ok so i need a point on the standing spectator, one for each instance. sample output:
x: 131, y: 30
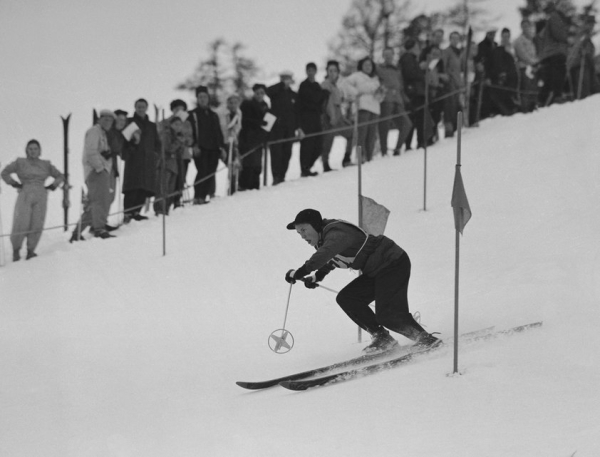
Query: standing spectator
x: 283, y: 107
x: 483, y: 69
x: 30, y: 208
x: 309, y: 108
x: 527, y: 62
x: 230, y: 117
x: 184, y: 157
x: 116, y: 143
x: 369, y: 93
x: 452, y: 58
x: 253, y: 137
x: 141, y: 156
x: 553, y: 53
x: 334, y: 117
x: 173, y: 143
x: 393, y: 103
x: 414, y: 80
x: 504, y: 76
x: 580, y: 61
x: 437, y: 84
x: 208, y: 142
x: 98, y: 171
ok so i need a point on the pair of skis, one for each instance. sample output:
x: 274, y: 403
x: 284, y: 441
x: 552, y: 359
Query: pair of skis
x: 325, y: 376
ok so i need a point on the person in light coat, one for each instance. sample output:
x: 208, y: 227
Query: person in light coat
x: 30, y: 208
x: 97, y: 169
x: 334, y: 117
x: 368, y: 92
x: 230, y: 117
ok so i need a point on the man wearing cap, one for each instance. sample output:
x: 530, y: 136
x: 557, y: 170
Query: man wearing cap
x: 208, y: 144
x: 385, y: 275
x: 97, y: 169
x: 483, y: 66
x: 309, y: 108
x: 283, y: 101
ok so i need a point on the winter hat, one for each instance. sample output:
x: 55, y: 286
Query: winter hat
x: 307, y: 216
x: 107, y: 112
x: 201, y: 89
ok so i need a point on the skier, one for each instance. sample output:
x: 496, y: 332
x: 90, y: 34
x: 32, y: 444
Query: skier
x: 385, y: 274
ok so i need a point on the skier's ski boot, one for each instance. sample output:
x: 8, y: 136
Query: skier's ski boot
x: 427, y: 341
x: 382, y: 342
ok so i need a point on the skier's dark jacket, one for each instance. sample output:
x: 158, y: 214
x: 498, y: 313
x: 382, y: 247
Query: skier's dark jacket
x: 344, y: 245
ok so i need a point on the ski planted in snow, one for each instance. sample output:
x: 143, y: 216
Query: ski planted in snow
x: 345, y: 364
x: 304, y: 384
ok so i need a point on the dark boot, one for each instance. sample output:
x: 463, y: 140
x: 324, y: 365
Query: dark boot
x: 16, y: 255
x: 381, y: 342
x: 30, y: 254
x: 76, y: 236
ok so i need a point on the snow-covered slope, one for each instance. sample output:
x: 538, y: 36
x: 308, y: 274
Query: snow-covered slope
x: 107, y: 348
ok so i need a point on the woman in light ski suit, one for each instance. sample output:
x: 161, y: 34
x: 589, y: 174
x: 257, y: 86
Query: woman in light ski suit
x: 30, y: 209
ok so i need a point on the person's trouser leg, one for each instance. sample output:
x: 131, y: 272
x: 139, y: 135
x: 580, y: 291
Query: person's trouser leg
x: 21, y: 219
x: 387, y: 109
x: 98, y: 185
x: 391, y: 299
x: 354, y: 299
x: 405, y: 126
x: 38, y: 217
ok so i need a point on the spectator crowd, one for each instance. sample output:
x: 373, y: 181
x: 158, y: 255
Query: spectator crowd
x: 419, y: 88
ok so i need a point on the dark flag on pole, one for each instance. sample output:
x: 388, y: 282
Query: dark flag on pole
x: 460, y: 204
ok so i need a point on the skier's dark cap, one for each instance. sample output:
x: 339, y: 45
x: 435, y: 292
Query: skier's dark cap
x: 307, y: 216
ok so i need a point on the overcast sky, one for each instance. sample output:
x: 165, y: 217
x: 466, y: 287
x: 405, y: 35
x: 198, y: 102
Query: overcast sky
x: 69, y: 56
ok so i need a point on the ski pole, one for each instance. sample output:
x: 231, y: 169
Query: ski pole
x: 287, y: 307
x: 281, y: 340
x: 322, y: 286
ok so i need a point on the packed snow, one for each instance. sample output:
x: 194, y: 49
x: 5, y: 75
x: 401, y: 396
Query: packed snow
x: 109, y: 348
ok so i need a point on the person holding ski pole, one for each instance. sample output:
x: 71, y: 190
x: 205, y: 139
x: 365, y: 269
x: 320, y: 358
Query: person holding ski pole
x: 385, y: 275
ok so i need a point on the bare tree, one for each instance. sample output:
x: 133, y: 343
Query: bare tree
x: 244, y: 69
x: 226, y: 70
x: 469, y: 13
x: 367, y: 28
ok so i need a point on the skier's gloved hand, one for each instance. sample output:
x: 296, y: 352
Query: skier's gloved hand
x: 310, y: 282
x: 292, y: 275
x: 289, y: 277
x: 17, y: 185
x: 51, y: 187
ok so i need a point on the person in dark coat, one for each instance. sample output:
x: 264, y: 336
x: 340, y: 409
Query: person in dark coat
x: 309, y: 108
x: 503, y: 76
x: 483, y: 67
x: 141, y: 155
x: 283, y: 107
x: 252, y: 137
x: 414, y: 83
x: 208, y: 145
x: 553, y: 53
x: 385, y: 268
